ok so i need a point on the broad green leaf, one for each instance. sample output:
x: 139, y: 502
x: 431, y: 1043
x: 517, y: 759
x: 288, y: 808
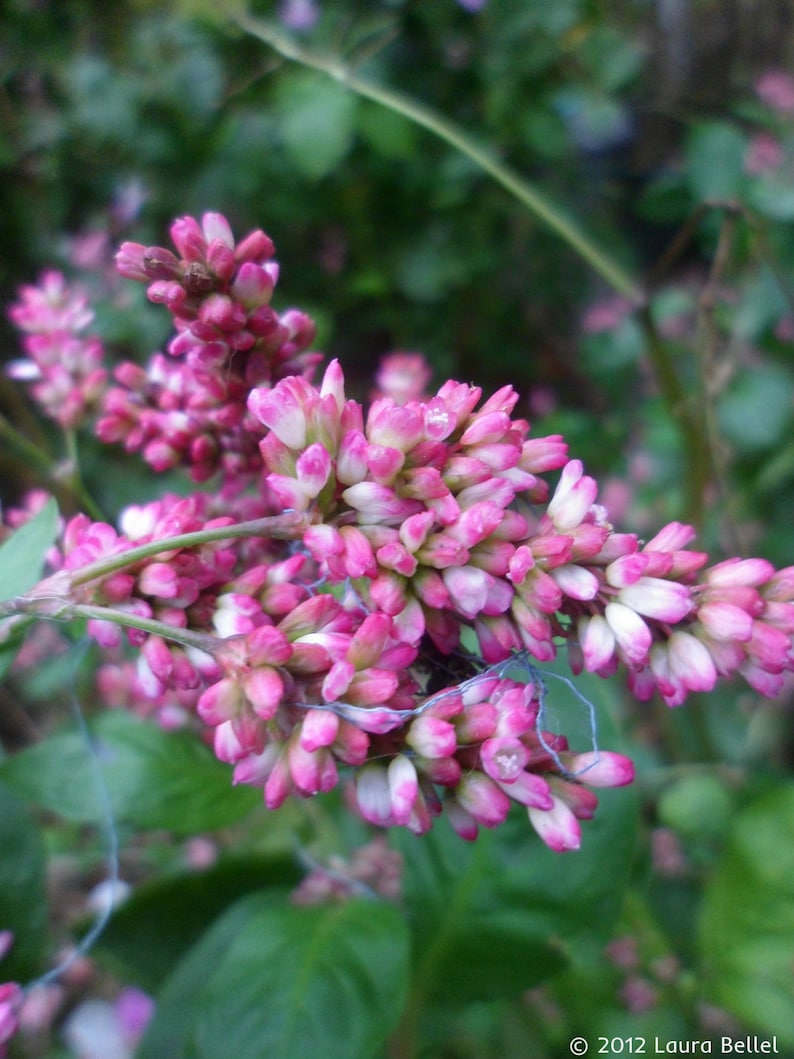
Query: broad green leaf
x: 186, y: 903
x: 715, y: 161
x: 317, y: 120
x: 747, y: 923
x: 155, y: 779
x: 23, y: 899
x: 171, y: 1030
x: 495, y: 917
x: 275, y: 981
x: 22, y: 555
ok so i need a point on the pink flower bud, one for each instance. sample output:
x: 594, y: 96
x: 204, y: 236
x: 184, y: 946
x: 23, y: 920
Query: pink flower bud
x: 337, y: 681
x: 319, y: 728
x: 215, y: 226
x: 220, y: 702
x: 281, y: 411
x: 371, y: 686
x: 769, y: 647
x: 369, y: 640
x: 268, y: 645
x: 130, y: 262
x: 468, y: 588
x: 379, y: 503
x: 576, y: 582
x: 403, y: 788
x: 253, y: 285
x: 483, y: 799
x: 630, y: 631
x: 432, y: 737
x: 626, y: 569
x: 597, y: 641
x: 573, y: 497
x: 530, y: 790
x: 312, y: 772
x: 654, y: 597
x: 739, y: 572
x: 313, y: 468
x: 600, y: 768
x: 724, y: 621
x: 691, y: 662
x: 462, y: 820
x: 544, y: 454
x: 256, y: 246
x: 374, y: 796
x: 264, y: 689
x: 558, y: 827
x: 221, y: 261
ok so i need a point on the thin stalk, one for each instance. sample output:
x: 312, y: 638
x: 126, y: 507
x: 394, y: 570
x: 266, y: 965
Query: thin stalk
x: 708, y: 347
x: 76, y: 482
x: 579, y: 241
x: 698, y: 457
x: 62, y: 610
x: 29, y: 452
x: 275, y: 527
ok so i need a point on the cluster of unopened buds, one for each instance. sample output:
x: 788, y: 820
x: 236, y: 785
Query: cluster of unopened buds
x: 390, y: 577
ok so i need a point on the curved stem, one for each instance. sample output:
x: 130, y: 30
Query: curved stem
x: 598, y: 259
x: 276, y: 527
x: 56, y: 609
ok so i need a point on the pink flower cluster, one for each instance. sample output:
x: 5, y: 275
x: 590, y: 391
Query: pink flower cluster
x: 431, y: 510
x: 428, y: 522
x: 64, y: 365
x: 189, y: 408
x: 330, y: 685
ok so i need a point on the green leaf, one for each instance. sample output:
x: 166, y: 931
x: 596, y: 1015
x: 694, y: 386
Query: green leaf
x: 496, y: 917
x: 747, y: 923
x: 772, y: 194
x: 155, y: 779
x: 755, y: 412
x: 184, y: 904
x: 23, y: 898
x: 171, y: 1030
x: 715, y: 161
x: 22, y: 555
x: 317, y: 122
x: 275, y: 981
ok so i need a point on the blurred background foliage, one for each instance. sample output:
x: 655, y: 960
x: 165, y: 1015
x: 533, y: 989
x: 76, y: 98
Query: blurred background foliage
x: 666, y: 131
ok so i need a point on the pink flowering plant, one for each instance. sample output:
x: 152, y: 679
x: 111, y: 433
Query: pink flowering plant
x: 363, y: 603
x: 343, y: 712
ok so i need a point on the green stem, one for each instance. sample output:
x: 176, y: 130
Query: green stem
x: 62, y: 610
x: 275, y: 527
x: 698, y: 459
x: 76, y: 479
x: 29, y: 452
x: 450, y: 133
